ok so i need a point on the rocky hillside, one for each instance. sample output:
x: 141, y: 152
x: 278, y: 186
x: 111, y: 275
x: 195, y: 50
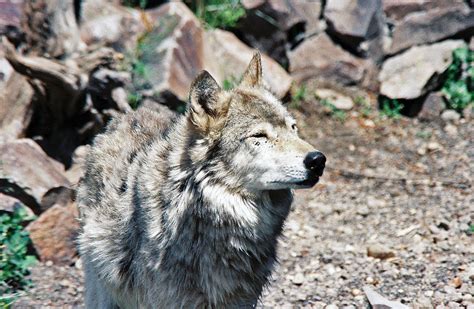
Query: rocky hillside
x: 67, y: 67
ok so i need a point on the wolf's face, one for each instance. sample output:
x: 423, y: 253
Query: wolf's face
x: 255, y: 136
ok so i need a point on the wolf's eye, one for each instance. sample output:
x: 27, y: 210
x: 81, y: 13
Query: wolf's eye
x: 294, y: 127
x: 259, y: 135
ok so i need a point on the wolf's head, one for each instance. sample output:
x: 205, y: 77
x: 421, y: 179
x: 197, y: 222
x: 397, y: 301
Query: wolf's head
x: 251, y: 134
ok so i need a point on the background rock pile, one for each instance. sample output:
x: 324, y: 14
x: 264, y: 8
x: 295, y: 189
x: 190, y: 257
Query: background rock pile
x: 67, y: 67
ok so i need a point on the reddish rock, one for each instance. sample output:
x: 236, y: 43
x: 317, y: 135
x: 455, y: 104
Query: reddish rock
x: 54, y: 233
x: 398, y: 9
x: 16, y: 99
x: 227, y: 58
x: 172, y: 53
x: 28, y: 174
x: 320, y: 58
x: 10, y: 13
x: 176, y: 50
x: 432, y: 26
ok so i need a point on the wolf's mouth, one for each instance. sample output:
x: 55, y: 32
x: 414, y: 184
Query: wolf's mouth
x: 308, y: 182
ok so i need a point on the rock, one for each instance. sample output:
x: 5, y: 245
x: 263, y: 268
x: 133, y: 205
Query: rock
x: 29, y: 175
x: 16, y: 107
x: 9, y: 204
x: 102, y: 87
x: 377, y: 301
x: 75, y: 172
x: 456, y: 282
x: 330, y: 62
x: 227, y: 58
x: 54, y: 233
x: 416, y: 71
x: 432, y: 107
x: 339, y: 101
x: 298, y: 279
x: 111, y: 24
x: 10, y: 14
x: 331, y: 306
x: 271, y: 25
x: 450, y: 115
x: 379, y: 252
x: 397, y: 10
x: 176, y: 49
x: 172, y: 54
x: 431, y: 26
x: 352, y: 22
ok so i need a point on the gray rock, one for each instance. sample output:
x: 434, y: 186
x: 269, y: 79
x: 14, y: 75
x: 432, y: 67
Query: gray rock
x: 272, y: 25
x: 416, y: 71
x: 339, y: 100
x: 319, y: 58
x: 111, y: 24
x: 450, y: 115
x: 431, y: 26
x: 354, y: 21
x: 9, y: 204
x: 432, y: 107
x: 226, y: 57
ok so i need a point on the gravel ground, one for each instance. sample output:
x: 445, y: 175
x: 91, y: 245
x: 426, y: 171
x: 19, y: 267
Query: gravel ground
x: 401, y: 188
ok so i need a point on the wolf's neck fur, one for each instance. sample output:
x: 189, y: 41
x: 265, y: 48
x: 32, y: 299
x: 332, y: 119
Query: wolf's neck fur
x: 206, y: 221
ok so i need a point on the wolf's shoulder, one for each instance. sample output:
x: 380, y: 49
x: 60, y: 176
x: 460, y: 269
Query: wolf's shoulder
x: 113, y: 151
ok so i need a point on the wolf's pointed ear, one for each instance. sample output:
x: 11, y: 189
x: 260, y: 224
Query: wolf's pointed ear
x: 253, y: 75
x: 204, y: 100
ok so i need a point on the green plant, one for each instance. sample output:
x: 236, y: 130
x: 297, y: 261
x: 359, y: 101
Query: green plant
x: 299, y: 94
x: 391, y: 108
x: 134, y: 3
x: 218, y: 13
x: 334, y: 111
x: 364, y: 104
x: 14, y: 258
x: 458, y: 88
x: 230, y: 82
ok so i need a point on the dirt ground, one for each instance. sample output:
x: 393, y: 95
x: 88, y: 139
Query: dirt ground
x: 400, y: 185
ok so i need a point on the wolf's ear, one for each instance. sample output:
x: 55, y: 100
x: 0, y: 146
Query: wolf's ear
x: 253, y: 75
x: 204, y: 100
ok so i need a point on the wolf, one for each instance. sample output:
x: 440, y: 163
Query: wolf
x: 186, y: 213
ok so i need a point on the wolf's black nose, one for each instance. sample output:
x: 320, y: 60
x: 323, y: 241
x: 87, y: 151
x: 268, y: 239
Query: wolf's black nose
x: 315, y: 161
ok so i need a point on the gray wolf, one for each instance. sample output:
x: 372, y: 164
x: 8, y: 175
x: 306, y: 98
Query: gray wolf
x: 186, y: 213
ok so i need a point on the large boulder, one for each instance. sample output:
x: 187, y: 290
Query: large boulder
x: 177, y: 48
x: 29, y: 175
x: 10, y: 15
x: 320, y: 58
x: 16, y: 104
x: 9, y: 204
x: 352, y: 22
x: 111, y: 24
x: 54, y: 234
x: 396, y: 10
x: 274, y: 25
x: 432, y: 26
x: 172, y: 54
x: 413, y: 73
x: 227, y: 58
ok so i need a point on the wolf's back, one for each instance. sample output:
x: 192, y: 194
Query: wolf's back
x: 112, y: 153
